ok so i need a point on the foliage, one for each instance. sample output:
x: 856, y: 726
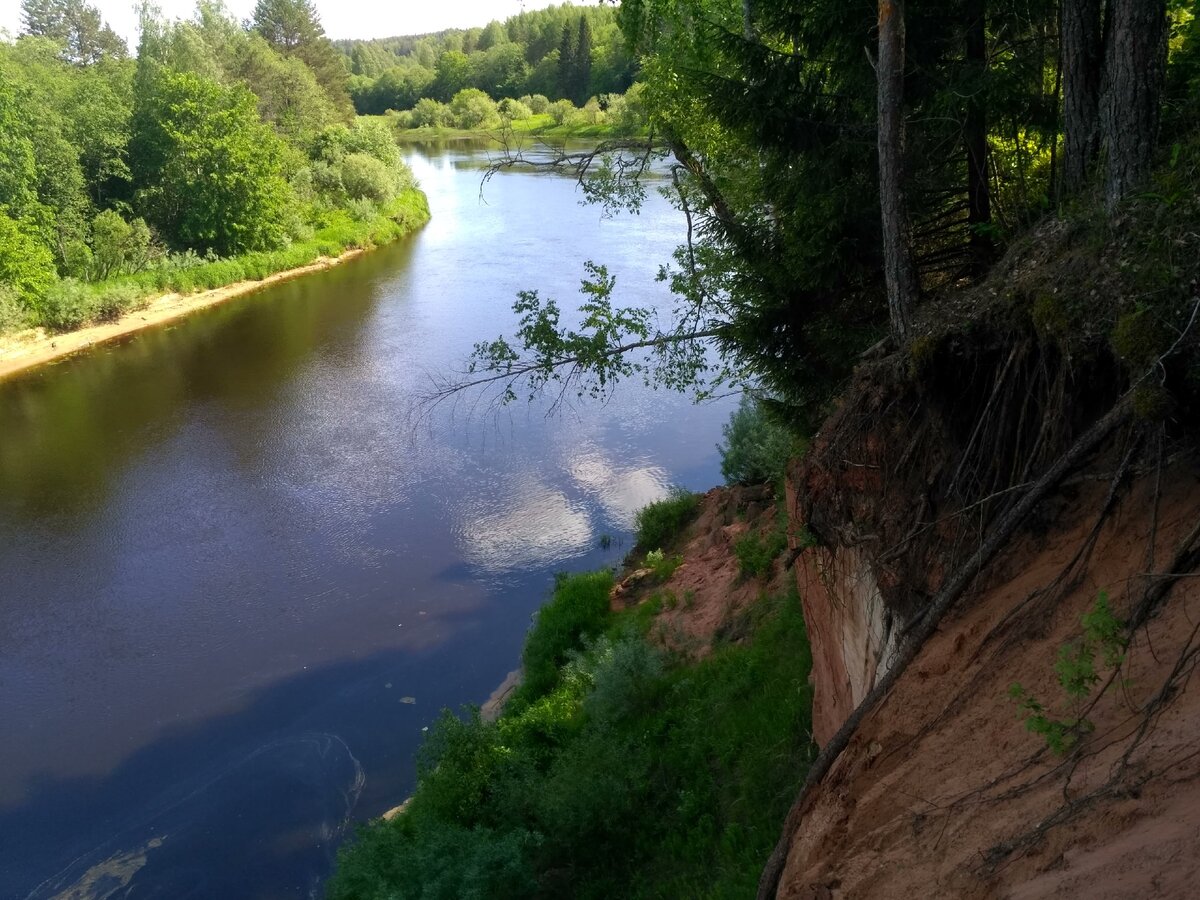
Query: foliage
x: 578, y: 608
x: 755, y: 552
x: 639, y: 775
x: 756, y: 447
x: 659, y: 522
x: 472, y: 108
x: 209, y: 173
x: 524, y: 55
x: 84, y: 38
x: 26, y: 266
x: 661, y: 565
x: 119, y: 247
x: 293, y: 28
x: 1104, y: 636
x: 13, y: 314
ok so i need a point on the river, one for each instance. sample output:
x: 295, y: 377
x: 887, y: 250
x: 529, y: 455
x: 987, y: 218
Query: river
x: 239, y: 578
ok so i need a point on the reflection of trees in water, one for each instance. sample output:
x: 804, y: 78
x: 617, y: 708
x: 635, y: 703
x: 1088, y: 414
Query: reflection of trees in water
x: 69, y: 428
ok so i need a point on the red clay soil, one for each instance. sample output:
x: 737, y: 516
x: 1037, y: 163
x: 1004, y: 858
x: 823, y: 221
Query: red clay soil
x: 708, y: 590
x: 943, y: 792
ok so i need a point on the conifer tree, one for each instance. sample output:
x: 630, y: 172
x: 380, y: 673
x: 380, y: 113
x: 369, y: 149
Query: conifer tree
x: 581, y: 77
x: 294, y: 29
x: 566, y: 62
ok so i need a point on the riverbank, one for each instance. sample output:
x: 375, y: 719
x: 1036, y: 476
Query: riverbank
x: 539, y: 127
x: 650, y: 749
x: 33, y: 347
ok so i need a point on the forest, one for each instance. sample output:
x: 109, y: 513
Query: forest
x: 219, y: 152
x: 561, y: 53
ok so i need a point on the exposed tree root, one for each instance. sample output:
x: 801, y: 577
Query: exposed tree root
x: 926, y: 624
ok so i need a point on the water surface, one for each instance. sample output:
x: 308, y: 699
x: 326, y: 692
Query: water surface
x: 238, y: 577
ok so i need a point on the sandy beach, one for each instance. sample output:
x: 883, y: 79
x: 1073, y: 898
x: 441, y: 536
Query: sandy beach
x: 25, y: 350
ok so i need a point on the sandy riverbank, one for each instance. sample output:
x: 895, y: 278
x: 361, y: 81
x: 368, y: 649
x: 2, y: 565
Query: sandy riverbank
x: 28, y: 349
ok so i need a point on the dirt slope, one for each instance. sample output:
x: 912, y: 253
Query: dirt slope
x: 944, y: 793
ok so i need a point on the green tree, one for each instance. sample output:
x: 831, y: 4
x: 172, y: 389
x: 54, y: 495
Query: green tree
x: 18, y: 166
x: 567, y: 63
x: 76, y: 27
x: 472, y: 108
x: 25, y: 262
x: 209, y: 173
x: 453, y: 75
x: 293, y: 28
x: 581, y: 71
x: 118, y: 246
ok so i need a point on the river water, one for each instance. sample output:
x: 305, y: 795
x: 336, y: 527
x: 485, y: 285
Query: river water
x: 238, y: 576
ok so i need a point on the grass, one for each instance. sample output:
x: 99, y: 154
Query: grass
x: 661, y: 521
x: 755, y: 552
x: 72, y: 304
x: 534, y: 126
x: 637, y: 774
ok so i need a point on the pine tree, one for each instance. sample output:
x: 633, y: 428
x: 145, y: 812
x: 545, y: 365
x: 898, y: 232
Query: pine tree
x: 294, y: 29
x: 566, y: 62
x: 84, y: 36
x: 582, y: 75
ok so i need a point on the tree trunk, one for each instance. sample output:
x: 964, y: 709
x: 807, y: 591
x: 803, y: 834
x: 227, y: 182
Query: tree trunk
x: 1082, y: 62
x: 979, y: 195
x: 1134, y: 67
x: 899, y: 271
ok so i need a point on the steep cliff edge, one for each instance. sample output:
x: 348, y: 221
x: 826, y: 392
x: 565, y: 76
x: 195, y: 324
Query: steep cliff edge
x: 944, y: 792
x: 995, y: 539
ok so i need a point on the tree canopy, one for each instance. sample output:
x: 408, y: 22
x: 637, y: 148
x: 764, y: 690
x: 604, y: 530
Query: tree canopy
x: 217, y: 140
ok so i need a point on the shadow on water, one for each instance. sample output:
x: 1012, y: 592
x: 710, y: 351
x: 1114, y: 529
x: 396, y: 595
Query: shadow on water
x: 70, y: 428
x: 269, y: 791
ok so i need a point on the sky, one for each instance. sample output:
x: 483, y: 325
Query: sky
x: 341, y: 18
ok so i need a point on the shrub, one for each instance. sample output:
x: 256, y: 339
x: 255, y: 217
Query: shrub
x: 472, y: 108
x: 562, y: 112
x: 663, y: 566
x: 638, y: 775
x: 661, y: 520
x: 67, y: 305
x: 26, y: 264
x: 756, y: 449
x: 626, y: 678
x: 578, y: 609
x: 362, y: 209
x: 538, y: 103
x: 366, y: 178
x: 514, y: 109
x: 431, y: 113
x: 755, y: 553
x: 13, y: 316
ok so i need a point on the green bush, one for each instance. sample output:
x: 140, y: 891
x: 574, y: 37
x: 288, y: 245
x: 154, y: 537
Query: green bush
x: 578, y: 609
x: 756, y: 449
x: 638, y: 775
x: 13, y: 315
x: 26, y: 264
x: 472, y: 108
x: 366, y: 178
x: 67, y: 305
x: 657, y: 523
x: 755, y: 553
x: 429, y: 113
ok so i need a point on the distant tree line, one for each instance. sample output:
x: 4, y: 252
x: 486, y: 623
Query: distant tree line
x: 562, y: 52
